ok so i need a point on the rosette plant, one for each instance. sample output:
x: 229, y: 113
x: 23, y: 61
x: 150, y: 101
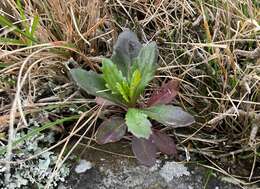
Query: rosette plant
x: 123, y: 81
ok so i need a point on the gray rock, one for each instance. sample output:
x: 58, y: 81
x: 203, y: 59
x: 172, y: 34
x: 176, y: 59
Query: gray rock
x: 117, y: 172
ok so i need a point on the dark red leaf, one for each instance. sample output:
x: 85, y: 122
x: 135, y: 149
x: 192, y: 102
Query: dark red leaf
x: 164, y: 143
x: 144, y: 150
x: 165, y: 94
x: 111, y: 130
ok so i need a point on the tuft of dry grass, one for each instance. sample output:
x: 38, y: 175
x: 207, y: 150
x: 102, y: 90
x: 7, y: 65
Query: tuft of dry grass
x: 211, y: 47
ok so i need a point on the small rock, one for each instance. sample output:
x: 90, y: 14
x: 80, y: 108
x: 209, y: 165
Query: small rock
x: 83, y: 166
x: 173, y: 169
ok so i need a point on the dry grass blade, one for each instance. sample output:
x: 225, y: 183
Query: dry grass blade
x: 210, y: 47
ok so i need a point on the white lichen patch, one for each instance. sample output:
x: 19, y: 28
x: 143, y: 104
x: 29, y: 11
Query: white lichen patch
x: 156, y: 166
x: 173, y: 170
x: 83, y: 166
x: 36, y: 172
x: 131, y: 176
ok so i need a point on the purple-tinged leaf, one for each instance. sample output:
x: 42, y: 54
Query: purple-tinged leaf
x: 144, y: 150
x: 104, y: 102
x: 111, y: 130
x: 169, y: 115
x: 126, y: 48
x: 164, y: 143
x: 165, y: 94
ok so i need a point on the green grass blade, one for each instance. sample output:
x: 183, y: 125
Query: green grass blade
x: 3, y: 65
x: 9, y: 41
x: 34, y: 24
x: 23, y: 17
x: 4, y: 22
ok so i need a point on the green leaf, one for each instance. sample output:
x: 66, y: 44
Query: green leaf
x: 90, y: 81
x: 138, y: 124
x: 135, y: 81
x: 93, y: 84
x: 123, y: 90
x: 170, y: 115
x: 112, y: 75
x: 146, y: 63
x: 126, y: 48
x: 115, y: 81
